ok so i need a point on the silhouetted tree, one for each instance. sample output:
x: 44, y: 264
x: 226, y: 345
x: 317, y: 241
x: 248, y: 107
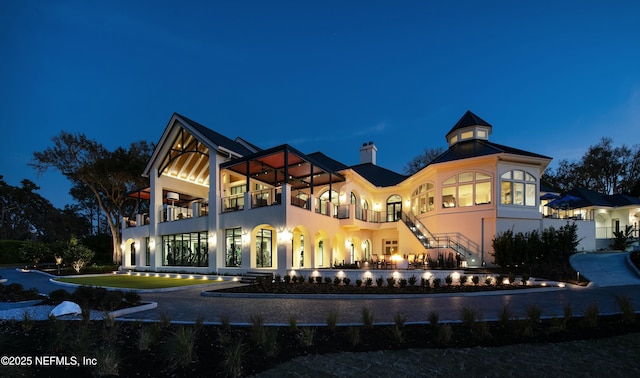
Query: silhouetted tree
x: 422, y: 160
x: 109, y: 175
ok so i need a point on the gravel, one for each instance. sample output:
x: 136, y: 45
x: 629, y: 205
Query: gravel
x: 21, y: 312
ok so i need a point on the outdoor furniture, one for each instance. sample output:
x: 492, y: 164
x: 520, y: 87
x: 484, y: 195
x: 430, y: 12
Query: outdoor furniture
x: 411, y: 259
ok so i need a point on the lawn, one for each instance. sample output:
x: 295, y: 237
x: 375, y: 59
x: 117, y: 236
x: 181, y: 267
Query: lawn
x: 125, y: 281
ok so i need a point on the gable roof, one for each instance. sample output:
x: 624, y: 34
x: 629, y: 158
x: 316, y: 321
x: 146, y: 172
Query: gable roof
x: 217, y: 138
x: 378, y: 176
x: 467, y: 120
x: 590, y: 197
x: 476, y: 147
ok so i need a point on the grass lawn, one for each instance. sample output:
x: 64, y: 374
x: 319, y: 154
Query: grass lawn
x: 126, y: 281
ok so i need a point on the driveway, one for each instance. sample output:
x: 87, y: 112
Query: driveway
x: 605, y: 269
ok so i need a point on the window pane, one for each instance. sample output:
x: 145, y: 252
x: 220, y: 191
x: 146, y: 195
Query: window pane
x: 531, y: 195
x: 449, y: 181
x: 465, y: 195
x: 506, y: 175
x: 483, y: 193
x: 482, y: 134
x: 505, y: 193
x: 429, y: 186
x: 482, y: 176
x: 233, y: 244
x: 466, y: 135
x: 449, y: 197
x: 530, y: 178
x: 430, y: 197
x: 518, y: 175
x: 518, y: 193
x: 263, y: 249
x: 465, y: 177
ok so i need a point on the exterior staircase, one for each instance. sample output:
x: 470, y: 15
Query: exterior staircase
x: 430, y: 241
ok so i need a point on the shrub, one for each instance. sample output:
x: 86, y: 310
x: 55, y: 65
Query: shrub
x: 448, y: 279
x: 368, y: 281
x: 412, y: 280
x: 391, y: 282
x: 591, y: 314
x: 307, y: 336
x: 233, y: 359
x: 475, y: 280
x: 77, y: 254
x: 337, y: 281
x: 425, y: 283
x: 327, y: 280
x: 627, y: 311
x: 437, y: 282
x: 488, y: 281
x: 346, y: 281
x: 34, y: 251
x: 434, y: 318
x: 353, y: 335
x: 403, y: 283
x: 444, y: 334
x: 332, y: 320
x: 294, y: 279
x: 379, y: 281
x: 287, y: 278
x: 463, y: 279
x: 59, y: 295
x: 367, y: 318
x: 358, y: 282
x: 132, y: 297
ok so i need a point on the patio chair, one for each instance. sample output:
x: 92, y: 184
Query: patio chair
x: 411, y: 260
x: 375, y: 262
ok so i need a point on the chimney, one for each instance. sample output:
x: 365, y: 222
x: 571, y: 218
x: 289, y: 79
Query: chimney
x: 368, y: 153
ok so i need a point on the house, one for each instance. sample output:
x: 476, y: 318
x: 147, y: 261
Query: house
x: 610, y: 212
x: 225, y: 205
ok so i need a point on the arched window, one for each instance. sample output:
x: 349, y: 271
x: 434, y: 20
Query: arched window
x: 334, y: 196
x: 394, y: 208
x: 466, y: 189
x: 518, y: 188
x: 354, y: 200
x: 422, y: 199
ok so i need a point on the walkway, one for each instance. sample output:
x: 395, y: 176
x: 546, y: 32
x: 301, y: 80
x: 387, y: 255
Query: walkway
x: 188, y: 305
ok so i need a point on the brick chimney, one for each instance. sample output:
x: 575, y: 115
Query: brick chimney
x: 368, y: 153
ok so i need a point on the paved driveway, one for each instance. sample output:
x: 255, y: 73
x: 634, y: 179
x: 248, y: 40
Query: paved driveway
x: 605, y: 268
x: 188, y: 305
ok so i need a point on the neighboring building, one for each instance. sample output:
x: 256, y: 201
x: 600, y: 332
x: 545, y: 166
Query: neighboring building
x: 609, y: 212
x: 227, y: 206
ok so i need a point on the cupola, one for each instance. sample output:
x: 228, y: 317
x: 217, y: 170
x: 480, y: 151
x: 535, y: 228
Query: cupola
x: 469, y: 127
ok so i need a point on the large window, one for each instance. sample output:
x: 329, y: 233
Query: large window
x: 233, y: 247
x: 466, y: 189
x: 422, y: 199
x: 518, y: 188
x: 394, y: 208
x: 264, y: 248
x: 189, y: 249
x: 147, y: 253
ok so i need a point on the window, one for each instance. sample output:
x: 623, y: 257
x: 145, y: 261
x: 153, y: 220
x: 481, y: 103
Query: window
x: 188, y: 249
x: 147, y: 254
x: 518, y: 188
x: 394, y: 208
x: 233, y: 247
x: 466, y: 189
x: 264, y: 248
x: 390, y: 247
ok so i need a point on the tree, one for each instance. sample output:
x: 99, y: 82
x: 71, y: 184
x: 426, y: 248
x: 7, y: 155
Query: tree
x: 26, y: 215
x: 109, y: 175
x: 421, y: 161
x: 78, y: 254
x: 34, y: 251
x: 603, y: 168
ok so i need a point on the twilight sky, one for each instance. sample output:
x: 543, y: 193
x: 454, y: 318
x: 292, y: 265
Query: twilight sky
x: 552, y: 77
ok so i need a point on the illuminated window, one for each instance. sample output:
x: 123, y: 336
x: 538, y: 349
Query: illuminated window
x: 466, y: 189
x: 518, y: 188
x: 233, y: 245
x: 189, y: 249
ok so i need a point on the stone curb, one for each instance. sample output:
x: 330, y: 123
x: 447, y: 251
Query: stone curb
x: 160, y: 290
x: 376, y: 296
x: 132, y: 310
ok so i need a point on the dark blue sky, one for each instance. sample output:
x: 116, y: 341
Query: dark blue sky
x: 552, y: 77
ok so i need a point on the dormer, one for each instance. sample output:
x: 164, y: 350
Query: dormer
x: 469, y: 127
